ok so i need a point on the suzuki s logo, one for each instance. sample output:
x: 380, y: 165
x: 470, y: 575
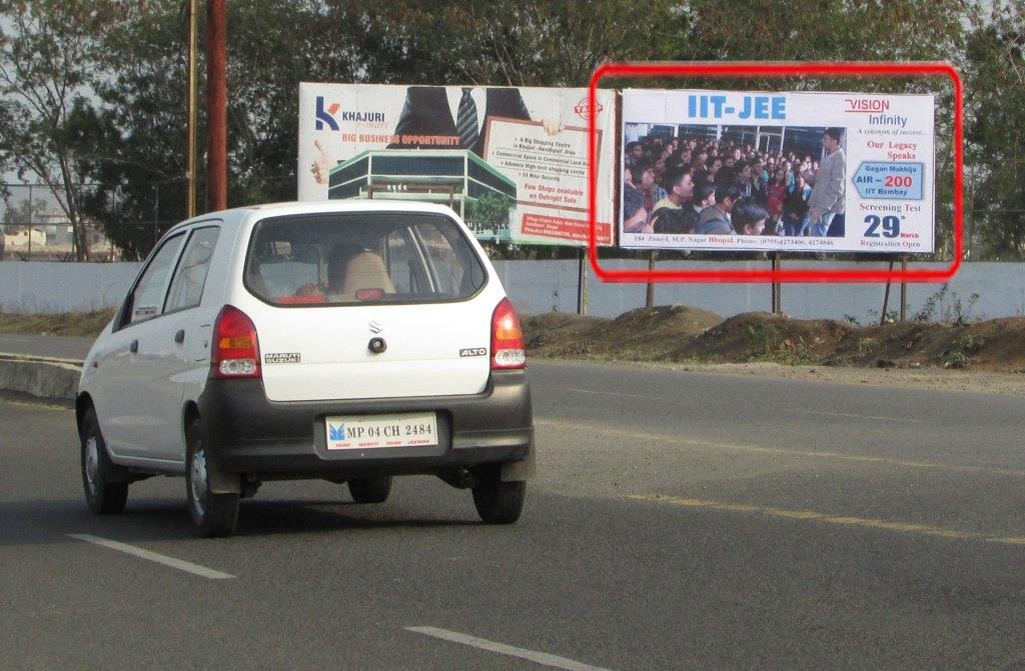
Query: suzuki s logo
x: 375, y: 327
x: 326, y: 117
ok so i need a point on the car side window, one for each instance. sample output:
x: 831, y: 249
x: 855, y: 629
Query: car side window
x: 190, y: 276
x: 148, y: 295
x: 454, y: 268
x: 400, y: 262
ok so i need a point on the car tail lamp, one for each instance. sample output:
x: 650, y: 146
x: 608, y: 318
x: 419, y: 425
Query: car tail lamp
x: 236, y: 352
x: 506, y: 338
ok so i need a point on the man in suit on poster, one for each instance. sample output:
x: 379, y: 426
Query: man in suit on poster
x: 433, y: 114
x: 828, y: 194
x: 460, y: 112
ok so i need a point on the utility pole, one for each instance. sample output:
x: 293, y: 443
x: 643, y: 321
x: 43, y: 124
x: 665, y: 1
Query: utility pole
x: 190, y: 207
x: 217, y: 107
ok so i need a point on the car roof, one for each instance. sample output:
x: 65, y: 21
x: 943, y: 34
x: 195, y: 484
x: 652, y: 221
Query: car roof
x: 317, y: 207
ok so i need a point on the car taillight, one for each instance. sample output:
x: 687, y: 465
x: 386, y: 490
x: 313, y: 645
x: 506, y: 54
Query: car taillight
x: 236, y: 351
x: 506, y: 338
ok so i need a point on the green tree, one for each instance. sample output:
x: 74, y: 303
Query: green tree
x: 132, y: 138
x: 47, y: 71
x: 995, y: 153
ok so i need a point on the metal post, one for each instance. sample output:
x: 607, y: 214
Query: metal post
x: 886, y: 299
x: 649, y: 296
x: 156, y: 211
x: 217, y: 107
x: 582, y: 283
x: 903, y: 288
x: 190, y: 206
x: 30, y: 222
x: 776, y: 286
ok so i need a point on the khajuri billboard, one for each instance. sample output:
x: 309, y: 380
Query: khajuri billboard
x: 817, y: 172
x: 511, y: 161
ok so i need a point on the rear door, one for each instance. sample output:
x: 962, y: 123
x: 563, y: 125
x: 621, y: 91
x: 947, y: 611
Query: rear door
x: 380, y: 305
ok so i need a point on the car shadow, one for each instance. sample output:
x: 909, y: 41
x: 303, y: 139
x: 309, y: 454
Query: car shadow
x: 41, y: 522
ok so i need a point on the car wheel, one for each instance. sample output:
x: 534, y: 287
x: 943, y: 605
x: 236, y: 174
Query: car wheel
x: 105, y: 493
x: 370, y: 490
x: 497, y: 502
x: 213, y: 514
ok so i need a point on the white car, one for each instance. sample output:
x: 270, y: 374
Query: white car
x: 349, y: 341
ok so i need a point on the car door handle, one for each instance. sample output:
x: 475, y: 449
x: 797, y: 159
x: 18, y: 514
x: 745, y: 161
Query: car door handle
x: 179, y: 337
x: 134, y: 347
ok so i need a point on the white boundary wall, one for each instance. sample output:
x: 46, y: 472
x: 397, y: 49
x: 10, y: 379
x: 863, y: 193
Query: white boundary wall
x: 541, y: 286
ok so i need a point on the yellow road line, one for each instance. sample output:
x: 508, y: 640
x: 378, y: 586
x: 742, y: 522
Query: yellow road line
x: 903, y: 527
x: 31, y: 404
x: 756, y: 449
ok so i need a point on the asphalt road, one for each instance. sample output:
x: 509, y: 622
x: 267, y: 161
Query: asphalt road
x: 679, y: 521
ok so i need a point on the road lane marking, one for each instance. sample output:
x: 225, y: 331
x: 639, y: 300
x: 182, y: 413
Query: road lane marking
x: 179, y: 564
x: 755, y: 449
x: 615, y: 393
x: 542, y: 658
x: 41, y: 405
x: 602, y: 392
x: 840, y: 520
x: 844, y: 414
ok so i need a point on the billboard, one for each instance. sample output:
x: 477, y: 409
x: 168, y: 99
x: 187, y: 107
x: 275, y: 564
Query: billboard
x: 511, y: 161
x: 818, y: 172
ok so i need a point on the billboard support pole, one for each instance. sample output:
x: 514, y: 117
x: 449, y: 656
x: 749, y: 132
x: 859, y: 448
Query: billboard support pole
x: 29, y: 222
x: 582, y: 282
x: 886, y: 299
x: 649, y: 296
x: 776, y: 286
x: 903, y: 288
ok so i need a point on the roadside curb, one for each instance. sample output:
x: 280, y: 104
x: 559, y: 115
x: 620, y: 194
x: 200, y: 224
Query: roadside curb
x: 42, y: 377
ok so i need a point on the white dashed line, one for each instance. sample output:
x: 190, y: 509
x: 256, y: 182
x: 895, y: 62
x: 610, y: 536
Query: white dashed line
x: 179, y: 564
x: 542, y: 658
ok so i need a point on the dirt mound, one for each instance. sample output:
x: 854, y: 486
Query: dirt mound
x: 998, y: 344
x: 679, y: 333
x: 645, y: 334
x: 760, y: 336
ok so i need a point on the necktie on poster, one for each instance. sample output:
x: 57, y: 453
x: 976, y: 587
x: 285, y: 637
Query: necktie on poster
x: 466, y: 119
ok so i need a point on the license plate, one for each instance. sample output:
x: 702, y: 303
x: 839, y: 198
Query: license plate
x: 360, y: 432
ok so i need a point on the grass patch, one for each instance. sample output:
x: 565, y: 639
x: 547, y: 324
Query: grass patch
x: 83, y: 324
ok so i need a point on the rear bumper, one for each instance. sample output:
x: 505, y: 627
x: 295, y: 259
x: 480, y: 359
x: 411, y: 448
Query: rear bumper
x: 247, y: 433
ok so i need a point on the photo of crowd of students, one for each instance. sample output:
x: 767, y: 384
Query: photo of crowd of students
x: 693, y: 186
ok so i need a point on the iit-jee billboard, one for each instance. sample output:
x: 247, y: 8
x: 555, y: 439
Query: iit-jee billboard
x: 511, y: 161
x: 846, y: 172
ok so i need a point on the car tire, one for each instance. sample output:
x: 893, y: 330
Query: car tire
x: 105, y: 492
x: 213, y: 514
x: 370, y: 490
x: 498, y: 502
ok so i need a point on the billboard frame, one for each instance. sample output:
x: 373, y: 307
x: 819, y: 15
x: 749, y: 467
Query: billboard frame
x: 750, y: 70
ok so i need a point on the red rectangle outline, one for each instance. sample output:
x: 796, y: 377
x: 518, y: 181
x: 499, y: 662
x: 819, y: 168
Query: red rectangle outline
x: 743, y: 69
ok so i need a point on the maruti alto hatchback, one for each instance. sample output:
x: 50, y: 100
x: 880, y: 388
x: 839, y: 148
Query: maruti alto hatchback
x: 348, y: 341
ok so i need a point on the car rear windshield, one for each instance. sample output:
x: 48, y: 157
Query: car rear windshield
x: 347, y: 258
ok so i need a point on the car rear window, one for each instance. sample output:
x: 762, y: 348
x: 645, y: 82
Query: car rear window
x: 347, y: 258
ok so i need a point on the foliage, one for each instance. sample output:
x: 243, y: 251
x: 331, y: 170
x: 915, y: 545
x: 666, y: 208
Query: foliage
x: 47, y: 52
x: 957, y: 312
x: 99, y: 94
x: 489, y: 213
x: 996, y: 69
x: 532, y: 43
x: 22, y: 212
